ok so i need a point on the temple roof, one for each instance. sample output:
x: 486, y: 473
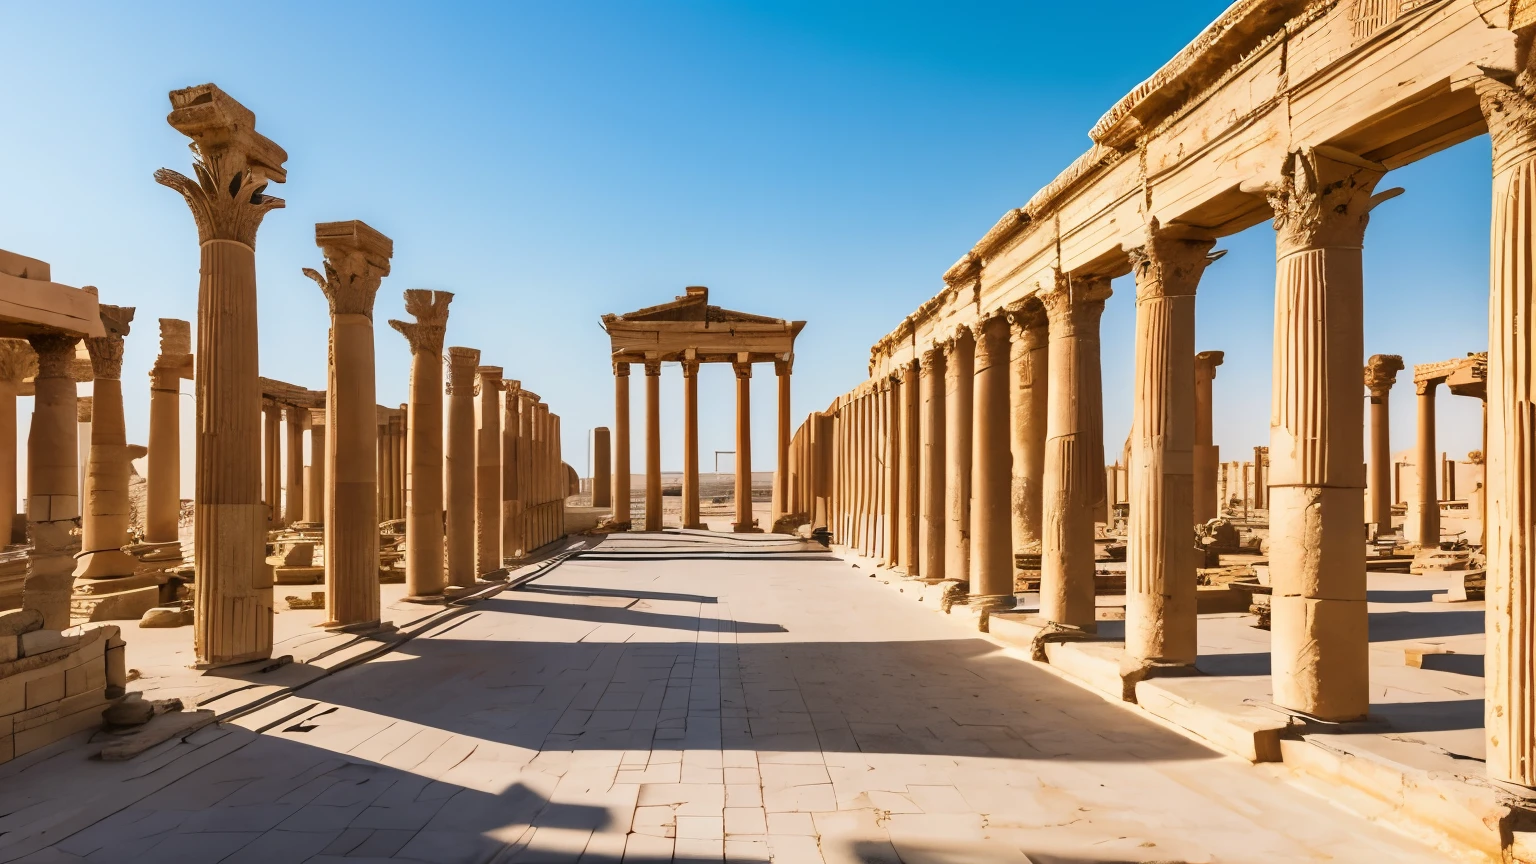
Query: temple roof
x: 692, y: 306
x: 689, y: 328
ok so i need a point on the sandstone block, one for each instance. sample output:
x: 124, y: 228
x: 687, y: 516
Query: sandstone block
x: 39, y: 641
x: 47, y: 689
x: 116, y: 668
x: 62, y: 727
x: 10, y: 648
x: 19, y: 621
x: 13, y: 696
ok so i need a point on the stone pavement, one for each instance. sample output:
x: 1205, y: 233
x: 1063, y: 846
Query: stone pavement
x: 654, y: 704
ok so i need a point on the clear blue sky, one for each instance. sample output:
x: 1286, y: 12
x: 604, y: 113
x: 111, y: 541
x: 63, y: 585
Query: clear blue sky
x: 550, y: 162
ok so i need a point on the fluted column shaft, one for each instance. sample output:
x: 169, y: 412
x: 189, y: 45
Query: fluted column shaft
x: 1074, y: 452
x: 459, y: 465
x: 1028, y: 373
x: 991, y: 573
x: 744, y: 521
x: 1318, y: 628
x: 1428, y: 463
x: 691, y: 444
x: 621, y: 444
x: 488, y: 472
x: 53, y: 481
x: 931, y: 521
x: 104, y: 528
x: 1160, y: 614
x: 424, y: 573
x: 958, y: 370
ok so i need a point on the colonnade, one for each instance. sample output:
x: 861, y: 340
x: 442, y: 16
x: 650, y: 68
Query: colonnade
x: 533, y: 474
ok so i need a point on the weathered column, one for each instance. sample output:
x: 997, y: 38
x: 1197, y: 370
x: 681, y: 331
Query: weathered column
x: 512, y: 451
x: 1425, y: 459
x: 910, y: 457
x: 17, y: 362
x: 424, y: 443
x: 1380, y: 374
x: 488, y: 472
x: 348, y: 449
x: 691, y: 445
x: 959, y: 363
x: 653, y: 445
x: 53, y: 481
x: 293, y: 502
x: 782, y: 370
x: 540, y: 488
x: 1160, y: 615
x: 931, y: 520
x: 459, y: 466
x: 314, y: 488
x: 991, y: 574
x: 1318, y: 628
x: 272, y: 465
x: 402, y: 470
x: 104, y: 528
x: 1074, y: 452
x: 621, y: 516
x: 1260, y: 478
x: 890, y: 477
x: 602, y: 467
x: 162, y: 508
x: 1207, y: 455
x: 1510, y: 711
x: 1027, y: 366
x: 744, y: 521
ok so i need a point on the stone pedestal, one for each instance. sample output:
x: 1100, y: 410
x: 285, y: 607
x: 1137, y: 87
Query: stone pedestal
x: 162, y: 516
x: 104, y: 526
x: 621, y: 517
x: 1028, y: 364
x: 460, y: 466
x: 53, y: 491
x: 691, y: 445
x: 653, y: 445
x: 1160, y: 614
x: 1318, y: 628
x: 931, y: 494
x: 351, y: 454
x: 488, y: 473
x: 1074, y: 452
x: 991, y: 574
x: 744, y: 522
x: 424, y: 575
x: 1207, y: 455
x: 1380, y: 374
x: 959, y: 356
x: 1427, y: 462
x: 233, y: 588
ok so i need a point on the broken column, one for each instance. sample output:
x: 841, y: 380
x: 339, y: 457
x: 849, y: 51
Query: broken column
x: 424, y: 576
x: 1207, y: 454
x: 488, y: 473
x: 1318, y: 628
x: 105, y: 522
x: 1380, y: 374
x: 991, y: 573
x: 602, y: 468
x: 460, y: 466
x: 162, y: 517
x: 356, y: 261
x: 53, y: 478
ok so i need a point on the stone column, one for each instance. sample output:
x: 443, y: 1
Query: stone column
x: 959, y: 359
x: 53, y: 481
x: 349, y: 452
x: 511, y: 473
x: 1318, y: 626
x: 991, y: 573
x: 890, y: 478
x: 488, y: 472
x: 539, y: 489
x: 402, y: 469
x: 621, y: 516
x: 17, y: 362
x: 1260, y: 478
x: 1074, y: 452
x: 459, y: 459
x: 1160, y: 615
x: 1380, y: 374
x: 1207, y: 455
x: 1027, y: 364
x: 744, y: 522
x: 691, y: 445
x: 104, y: 528
x: 782, y: 370
x: 1425, y: 459
x: 910, y: 457
x: 314, y: 488
x: 272, y: 464
x: 293, y: 502
x: 653, y: 445
x: 931, y: 521
x: 162, y: 508
x: 424, y: 443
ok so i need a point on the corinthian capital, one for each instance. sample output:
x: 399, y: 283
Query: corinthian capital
x: 1074, y: 300
x: 430, y: 309
x: 107, y: 351
x: 55, y: 354
x: 356, y: 260
x: 1325, y: 199
x: 991, y: 335
x: 461, y: 369
x: 488, y: 376
x: 1509, y: 106
x: 1171, y: 261
x: 1381, y: 373
x: 18, y: 361
x: 233, y: 164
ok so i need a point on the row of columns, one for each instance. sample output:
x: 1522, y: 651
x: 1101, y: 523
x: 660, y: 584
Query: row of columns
x: 533, y: 474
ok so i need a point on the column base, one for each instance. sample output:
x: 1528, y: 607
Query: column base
x: 746, y: 527
x: 696, y: 526
x: 104, y: 564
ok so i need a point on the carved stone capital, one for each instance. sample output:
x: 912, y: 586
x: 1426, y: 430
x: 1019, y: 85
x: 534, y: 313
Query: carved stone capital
x: 232, y: 162
x: 1074, y: 301
x: 461, y: 363
x: 783, y: 367
x: 1171, y: 261
x: 1510, y: 109
x: 743, y: 370
x: 690, y: 368
x: 107, y: 351
x: 1206, y: 363
x: 316, y: 418
x: 430, y: 309
x: 295, y: 414
x: 1381, y: 373
x: 991, y: 335
x: 488, y: 376
x: 652, y: 368
x: 18, y: 361
x: 621, y: 369
x: 356, y: 260
x: 1324, y: 200
x: 1426, y: 386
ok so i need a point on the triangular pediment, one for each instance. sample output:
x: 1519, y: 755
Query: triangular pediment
x: 692, y: 307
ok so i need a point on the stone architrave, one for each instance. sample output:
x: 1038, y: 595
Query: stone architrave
x: 991, y: 573
x: 621, y: 495
x: 294, y: 418
x: 315, y: 484
x: 1318, y: 628
x: 162, y: 507
x: 424, y: 574
x: 459, y: 458
x: 1207, y: 455
x: 17, y: 363
x: 1380, y: 374
x: 602, y: 468
x: 932, y: 518
x: 744, y: 522
x: 1074, y: 452
x: 653, y: 520
x: 959, y: 357
x: 488, y: 472
x: 107, y: 516
x: 691, y: 445
x: 1028, y: 365
x: 53, y: 481
x: 1160, y: 614
x: 356, y: 261
x: 1509, y: 105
